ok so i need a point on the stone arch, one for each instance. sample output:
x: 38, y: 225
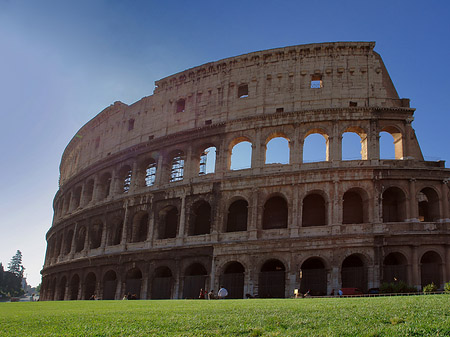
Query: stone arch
x: 395, y: 267
x: 168, y: 222
x: 316, y: 145
x: 232, y: 278
x: 314, y: 209
x: 149, y: 168
x: 62, y: 289
x: 95, y: 234
x: 272, y: 279
x: 313, y: 277
x: 125, y: 174
x: 354, y: 272
x: 348, y: 143
x: 133, y: 280
x: 275, y: 213
x: 115, y: 231
x: 104, y: 185
x: 431, y: 268
x: 177, y: 166
x: 200, y: 218
x: 88, y: 191
x: 76, y: 197
x: 237, y: 216
x: 74, y: 287
x: 194, y: 279
x: 207, y: 159
x: 355, y: 206
x: 240, y: 150
x: 68, y: 241
x: 428, y: 202
x: 397, y: 139
x: 139, y: 227
x: 109, y: 285
x: 80, y: 239
x: 90, y: 285
x: 394, y: 204
x: 162, y: 283
x: 277, y: 149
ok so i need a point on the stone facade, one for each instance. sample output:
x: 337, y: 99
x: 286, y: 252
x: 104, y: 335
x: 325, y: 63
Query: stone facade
x: 141, y: 209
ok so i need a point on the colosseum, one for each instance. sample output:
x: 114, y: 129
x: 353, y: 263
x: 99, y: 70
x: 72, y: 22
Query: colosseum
x: 178, y: 191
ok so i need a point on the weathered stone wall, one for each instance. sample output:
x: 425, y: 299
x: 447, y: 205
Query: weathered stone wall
x: 136, y: 213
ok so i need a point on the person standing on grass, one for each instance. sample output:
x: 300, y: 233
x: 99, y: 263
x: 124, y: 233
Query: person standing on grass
x: 222, y: 293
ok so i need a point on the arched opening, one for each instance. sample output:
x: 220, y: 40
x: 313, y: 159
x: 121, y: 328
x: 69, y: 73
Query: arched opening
x: 89, y: 285
x: 81, y: 238
x: 207, y: 161
x: 272, y: 280
x: 394, y: 205
x: 241, y: 156
x: 277, y: 151
x: 314, y: 210
x: 237, y: 216
x: 200, y: 218
x: 62, y: 289
x: 104, y: 186
x: 430, y: 269
x: 354, y: 273
x: 74, y: 287
x: 58, y: 245
x: 139, y: 227
x: 116, y: 229
x: 88, y: 191
x: 428, y: 205
x: 133, y: 282
x: 275, y: 214
x: 232, y: 279
x: 68, y: 242
x: 95, y: 234
x: 67, y: 200
x: 109, y: 285
x: 150, y: 173
x: 313, y: 277
x: 162, y: 284
x: 316, y: 146
x: 125, y: 179
x: 194, y: 280
x: 168, y: 222
x: 76, y: 198
x: 353, y: 208
x: 391, y: 143
x: 395, y: 268
x: 177, y: 166
x: 354, y: 144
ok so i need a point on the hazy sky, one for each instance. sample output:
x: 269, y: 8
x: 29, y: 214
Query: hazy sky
x: 62, y: 62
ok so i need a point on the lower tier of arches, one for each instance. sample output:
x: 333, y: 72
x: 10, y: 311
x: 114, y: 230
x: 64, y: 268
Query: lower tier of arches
x: 255, y: 269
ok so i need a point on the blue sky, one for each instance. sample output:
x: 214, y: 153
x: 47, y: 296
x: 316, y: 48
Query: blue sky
x: 62, y: 62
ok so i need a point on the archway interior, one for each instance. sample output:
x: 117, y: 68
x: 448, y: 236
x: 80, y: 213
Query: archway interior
x: 394, y: 268
x: 275, y: 213
x: 162, y: 284
x: 354, y: 273
x: 237, y: 216
x: 272, y: 280
x: 109, y: 285
x: 194, y: 280
x: 313, y: 277
x: 233, y: 280
x: 430, y: 269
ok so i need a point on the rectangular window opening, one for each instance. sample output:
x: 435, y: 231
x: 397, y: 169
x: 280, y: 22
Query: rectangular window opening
x: 243, y: 91
x: 279, y: 110
x: 130, y: 124
x: 181, y: 104
x: 316, y: 82
x: 353, y: 104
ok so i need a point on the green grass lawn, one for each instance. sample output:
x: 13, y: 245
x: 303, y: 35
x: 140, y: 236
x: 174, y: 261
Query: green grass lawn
x: 381, y: 316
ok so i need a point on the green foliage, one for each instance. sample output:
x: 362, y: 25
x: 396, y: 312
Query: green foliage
x: 447, y: 288
x: 429, y: 288
x: 396, y: 287
x: 11, y: 280
x: 15, y: 265
x: 375, y: 316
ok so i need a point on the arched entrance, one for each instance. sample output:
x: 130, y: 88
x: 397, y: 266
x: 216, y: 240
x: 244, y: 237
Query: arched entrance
x: 89, y: 286
x: 394, y: 268
x: 272, y: 280
x: 194, y: 280
x: 162, y: 284
x: 109, y: 285
x: 354, y: 273
x: 430, y: 269
x: 74, y: 287
x: 313, y: 277
x: 233, y: 280
x: 62, y: 289
x: 133, y: 282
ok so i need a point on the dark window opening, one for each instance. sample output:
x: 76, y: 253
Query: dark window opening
x: 243, y: 91
x: 105, y: 185
x: 201, y: 218
x: 68, y: 242
x: 313, y: 277
x: 275, y: 213
x: 74, y: 287
x: 89, y: 191
x: 232, y: 279
x: 208, y: 122
x: 354, y: 273
x: 393, y: 205
x: 168, y: 223
x: 151, y: 137
x: 279, y: 110
x: 237, y: 216
x: 81, y: 237
x: 109, y: 285
x: 95, y: 235
x: 431, y: 269
x: 181, y: 103
x: 353, y: 104
x: 313, y: 211
x: 130, y: 124
x: 428, y: 205
x: 353, y: 208
x: 272, y: 280
x: 89, y: 286
x: 162, y: 284
x: 316, y: 82
x: 395, y: 268
x: 117, y: 234
x: 139, y: 227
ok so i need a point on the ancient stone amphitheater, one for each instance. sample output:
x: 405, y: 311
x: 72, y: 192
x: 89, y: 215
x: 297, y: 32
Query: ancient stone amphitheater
x: 178, y: 191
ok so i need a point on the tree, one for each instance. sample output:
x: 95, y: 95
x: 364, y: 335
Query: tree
x: 15, y: 265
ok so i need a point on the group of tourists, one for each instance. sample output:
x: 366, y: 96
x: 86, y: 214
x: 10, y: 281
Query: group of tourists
x: 221, y: 294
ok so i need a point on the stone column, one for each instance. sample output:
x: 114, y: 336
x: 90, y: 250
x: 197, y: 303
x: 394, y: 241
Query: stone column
x: 296, y: 149
x: 181, y: 231
x: 73, y: 244
x: 134, y: 185
x: 125, y: 225
x: 159, y: 171
x: 444, y: 201
x: 413, y: 215
x: 415, y: 269
x: 189, y: 167
x: 252, y: 227
x: 151, y: 224
x: 257, y: 151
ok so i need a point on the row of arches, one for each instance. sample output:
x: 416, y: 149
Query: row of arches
x: 275, y: 215
x: 270, y: 281
x: 156, y: 168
